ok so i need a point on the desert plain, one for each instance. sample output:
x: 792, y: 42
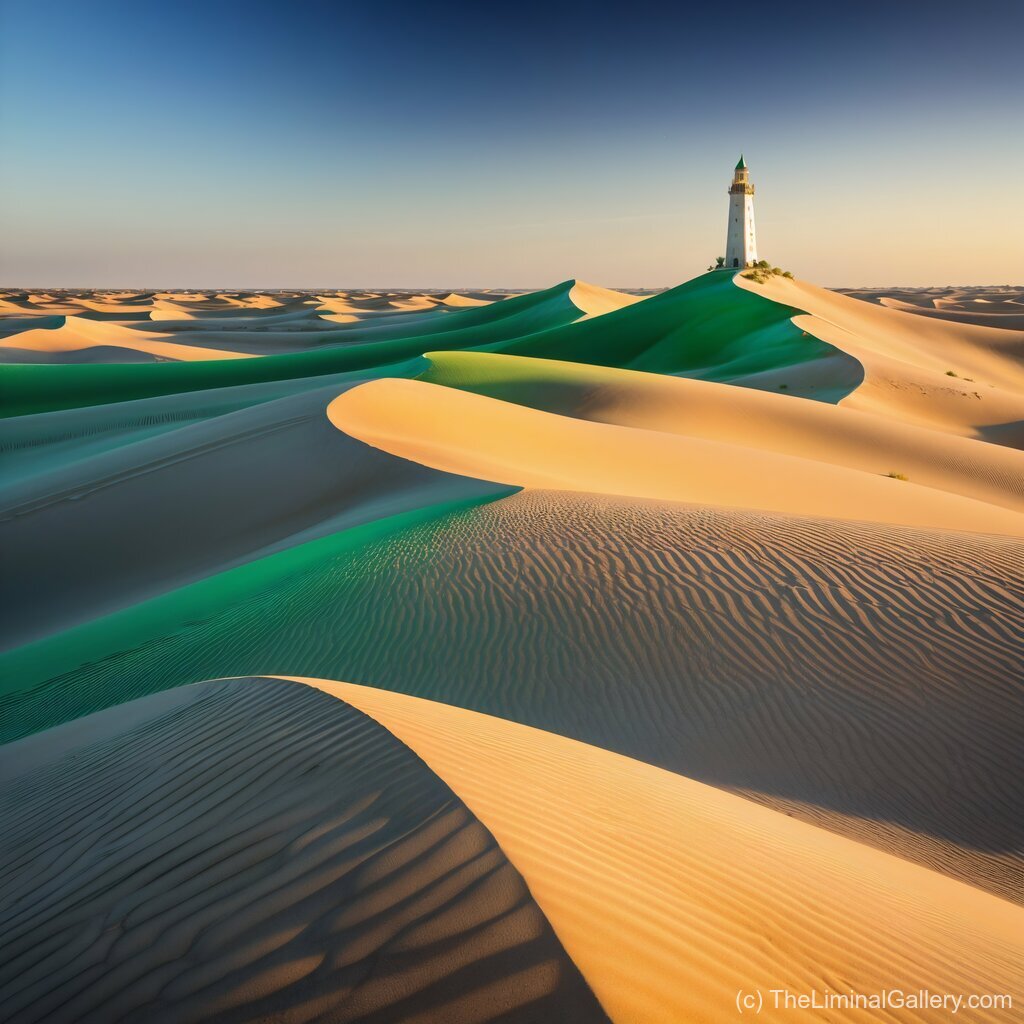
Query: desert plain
x: 567, y: 655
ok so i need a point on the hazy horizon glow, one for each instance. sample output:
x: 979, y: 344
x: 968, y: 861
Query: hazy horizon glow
x: 255, y: 144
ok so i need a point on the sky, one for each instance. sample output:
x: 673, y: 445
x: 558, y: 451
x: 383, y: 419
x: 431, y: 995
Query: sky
x: 317, y: 144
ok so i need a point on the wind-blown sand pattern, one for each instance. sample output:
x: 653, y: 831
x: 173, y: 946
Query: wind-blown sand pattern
x: 245, y: 851
x: 690, y: 629
x: 680, y: 635
x: 672, y: 896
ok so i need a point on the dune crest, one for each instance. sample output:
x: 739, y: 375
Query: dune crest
x: 671, y: 896
x: 593, y: 300
x: 472, y: 435
x: 77, y: 334
x: 961, y: 378
x: 308, y: 862
x: 771, y: 421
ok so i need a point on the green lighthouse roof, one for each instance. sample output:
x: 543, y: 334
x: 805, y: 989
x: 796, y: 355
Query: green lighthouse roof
x: 742, y: 164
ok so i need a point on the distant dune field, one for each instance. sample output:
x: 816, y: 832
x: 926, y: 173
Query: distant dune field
x: 468, y: 656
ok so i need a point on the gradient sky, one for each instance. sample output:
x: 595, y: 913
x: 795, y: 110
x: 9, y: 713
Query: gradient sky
x: 255, y: 144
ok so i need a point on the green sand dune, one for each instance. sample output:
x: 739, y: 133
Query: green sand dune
x: 37, y: 388
x: 146, y: 517
x: 83, y: 669
x: 706, y: 328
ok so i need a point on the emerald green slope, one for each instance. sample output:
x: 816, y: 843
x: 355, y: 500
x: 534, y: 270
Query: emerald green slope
x: 32, y: 388
x: 706, y: 328
x: 274, y: 615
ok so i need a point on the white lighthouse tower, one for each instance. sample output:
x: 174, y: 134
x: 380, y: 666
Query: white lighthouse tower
x: 740, y: 246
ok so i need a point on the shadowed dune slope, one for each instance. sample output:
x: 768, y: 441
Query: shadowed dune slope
x: 256, y: 850
x: 39, y: 443
x: 473, y: 435
x: 863, y: 678
x: 12, y: 324
x: 672, y: 896
x: 146, y: 517
x: 836, y: 435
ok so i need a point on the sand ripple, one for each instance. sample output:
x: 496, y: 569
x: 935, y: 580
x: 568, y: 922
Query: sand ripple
x: 255, y: 850
x: 863, y: 677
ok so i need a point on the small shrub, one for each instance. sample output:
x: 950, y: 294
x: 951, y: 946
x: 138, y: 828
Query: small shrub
x: 950, y: 373
x: 762, y: 271
x: 896, y: 476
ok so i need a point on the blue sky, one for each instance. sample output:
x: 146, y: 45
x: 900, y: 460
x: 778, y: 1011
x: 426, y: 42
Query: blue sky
x: 334, y: 144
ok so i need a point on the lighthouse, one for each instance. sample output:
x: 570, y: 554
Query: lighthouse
x: 740, y: 246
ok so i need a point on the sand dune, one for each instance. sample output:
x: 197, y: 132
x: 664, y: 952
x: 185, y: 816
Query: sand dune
x: 672, y: 897
x: 16, y: 324
x: 123, y: 305
x: 91, y: 356
x: 762, y: 590
x: 201, y: 327
x: 836, y: 435
x: 339, y: 347
x: 146, y: 517
x: 236, y: 320
x: 258, y: 851
x: 985, y: 307
x: 596, y: 301
x: 707, y: 329
x: 472, y: 435
x: 77, y: 334
x: 456, y: 299
x: 862, y: 678
x: 1008, y: 315
x: 955, y: 377
x: 33, y: 445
